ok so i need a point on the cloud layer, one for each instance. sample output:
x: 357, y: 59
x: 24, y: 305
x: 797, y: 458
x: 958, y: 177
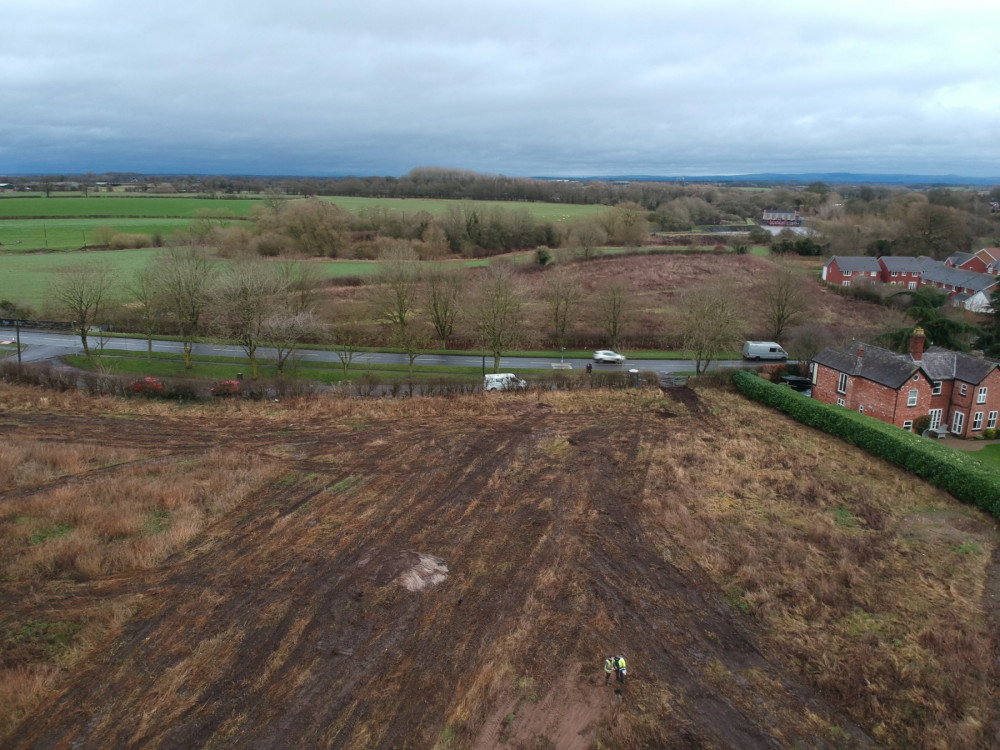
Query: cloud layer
x: 519, y: 88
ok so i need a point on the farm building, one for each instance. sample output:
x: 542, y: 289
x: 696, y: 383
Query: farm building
x: 956, y: 390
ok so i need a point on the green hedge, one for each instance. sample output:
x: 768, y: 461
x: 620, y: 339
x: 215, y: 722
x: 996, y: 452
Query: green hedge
x: 952, y: 470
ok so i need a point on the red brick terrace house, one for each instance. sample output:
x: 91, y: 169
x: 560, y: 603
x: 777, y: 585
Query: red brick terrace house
x: 841, y: 270
x: 986, y: 260
x: 899, y: 270
x: 957, y: 391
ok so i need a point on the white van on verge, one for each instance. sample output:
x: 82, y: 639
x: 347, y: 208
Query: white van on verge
x: 503, y: 381
x: 763, y: 350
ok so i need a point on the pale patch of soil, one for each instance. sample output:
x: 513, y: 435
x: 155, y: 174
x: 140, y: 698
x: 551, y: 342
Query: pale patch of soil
x: 567, y: 718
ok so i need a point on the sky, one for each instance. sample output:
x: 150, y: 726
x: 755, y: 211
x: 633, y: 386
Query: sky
x: 542, y: 88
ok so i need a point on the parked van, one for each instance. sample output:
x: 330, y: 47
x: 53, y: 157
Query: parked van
x: 763, y: 350
x: 503, y: 381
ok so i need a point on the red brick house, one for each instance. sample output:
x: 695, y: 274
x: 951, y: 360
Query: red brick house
x: 959, y: 392
x: 986, y: 260
x: 843, y: 270
x: 904, y: 271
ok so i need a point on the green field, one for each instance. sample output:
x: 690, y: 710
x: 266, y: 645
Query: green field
x: 21, y: 235
x: 113, y: 205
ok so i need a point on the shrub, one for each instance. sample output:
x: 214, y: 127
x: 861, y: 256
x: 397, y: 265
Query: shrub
x: 226, y: 389
x: 951, y: 470
x: 124, y: 241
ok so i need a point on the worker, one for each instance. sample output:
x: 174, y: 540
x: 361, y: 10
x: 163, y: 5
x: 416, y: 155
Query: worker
x: 620, y: 668
x: 609, y: 666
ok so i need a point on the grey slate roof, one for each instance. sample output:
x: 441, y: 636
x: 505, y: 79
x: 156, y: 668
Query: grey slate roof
x: 893, y: 370
x: 876, y: 364
x: 942, y: 274
x: 906, y: 264
x: 958, y: 259
x: 856, y: 263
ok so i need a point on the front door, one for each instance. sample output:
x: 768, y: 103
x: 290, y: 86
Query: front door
x: 957, y: 422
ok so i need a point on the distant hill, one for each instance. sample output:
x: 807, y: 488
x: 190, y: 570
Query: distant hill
x: 837, y: 178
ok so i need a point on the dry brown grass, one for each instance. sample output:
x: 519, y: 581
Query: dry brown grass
x: 26, y: 463
x: 812, y: 540
x: 123, y: 521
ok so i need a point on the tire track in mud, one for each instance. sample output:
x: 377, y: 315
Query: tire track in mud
x: 281, y: 624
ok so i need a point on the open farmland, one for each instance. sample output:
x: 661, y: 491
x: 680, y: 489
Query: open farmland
x: 451, y: 573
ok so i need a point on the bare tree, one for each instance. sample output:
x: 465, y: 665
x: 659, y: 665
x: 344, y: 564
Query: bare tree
x: 247, y: 296
x: 586, y: 237
x: 711, y: 322
x: 145, y: 293
x: 497, y: 314
x: 443, y: 302
x: 186, y: 276
x: 614, y: 311
x: 785, y: 301
x: 82, y: 293
x: 393, y: 297
x: 285, y: 330
x: 563, y: 294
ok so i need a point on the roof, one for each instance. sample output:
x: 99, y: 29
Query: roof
x: 893, y: 370
x: 957, y: 259
x: 942, y: 274
x: 876, y: 364
x: 906, y: 264
x: 855, y: 263
x: 989, y: 254
x: 781, y: 214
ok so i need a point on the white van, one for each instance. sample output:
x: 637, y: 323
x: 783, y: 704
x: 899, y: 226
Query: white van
x: 763, y: 350
x: 503, y: 381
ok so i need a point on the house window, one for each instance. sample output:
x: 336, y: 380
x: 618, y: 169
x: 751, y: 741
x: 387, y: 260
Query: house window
x: 957, y: 422
x: 977, y: 421
x: 991, y: 420
x: 963, y: 389
x: 981, y: 395
x: 912, y: 285
x: 842, y: 383
x: 935, y: 415
x: 847, y: 273
x: 815, y: 374
x: 840, y: 402
x: 872, y: 274
x: 936, y: 390
x: 895, y: 273
x: 911, y: 400
x: 845, y: 283
x: 861, y: 409
x: 908, y: 425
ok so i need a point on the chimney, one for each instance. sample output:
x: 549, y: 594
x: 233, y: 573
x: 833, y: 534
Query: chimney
x: 917, y: 344
x: 860, y: 351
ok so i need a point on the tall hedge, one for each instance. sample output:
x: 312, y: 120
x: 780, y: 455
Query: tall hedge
x: 952, y: 470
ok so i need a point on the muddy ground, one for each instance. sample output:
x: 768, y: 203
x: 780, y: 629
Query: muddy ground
x: 449, y: 578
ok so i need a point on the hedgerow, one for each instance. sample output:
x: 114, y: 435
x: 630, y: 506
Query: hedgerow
x: 947, y: 468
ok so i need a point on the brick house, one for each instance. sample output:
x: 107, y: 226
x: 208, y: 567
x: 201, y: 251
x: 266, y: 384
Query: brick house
x: 842, y: 270
x: 986, y: 260
x: 957, y: 259
x: 904, y: 271
x: 957, y: 391
x: 958, y: 283
x: 781, y: 218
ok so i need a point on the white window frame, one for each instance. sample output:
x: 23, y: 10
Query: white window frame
x: 957, y: 422
x: 936, y: 390
x: 895, y: 273
x: 845, y: 283
x: 991, y: 420
x: 981, y: 395
x: 842, y: 383
x: 861, y: 409
x: 963, y: 389
x: 848, y: 273
x: 908, y: 425
x: 977, y: 421
x: 935, y: 415
x: 840, y: 402
x: 911, y: 398
x: 911, y: 285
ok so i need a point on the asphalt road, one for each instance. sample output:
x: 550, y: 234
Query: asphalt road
x: 43, y: 345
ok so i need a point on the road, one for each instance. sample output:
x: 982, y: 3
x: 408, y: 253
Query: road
x: 45, y: 345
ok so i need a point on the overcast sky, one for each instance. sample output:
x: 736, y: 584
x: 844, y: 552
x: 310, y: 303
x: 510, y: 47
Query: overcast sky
x: 373, y: 87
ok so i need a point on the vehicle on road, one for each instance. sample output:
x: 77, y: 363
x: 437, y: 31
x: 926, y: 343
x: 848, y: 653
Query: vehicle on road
x: 503, y: 381
x: 763, y: 350
x: 608, y: 356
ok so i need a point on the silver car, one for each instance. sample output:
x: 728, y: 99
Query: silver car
x: 606, y: 355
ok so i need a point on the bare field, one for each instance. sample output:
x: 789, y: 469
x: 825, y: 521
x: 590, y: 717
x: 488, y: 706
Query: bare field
x: 450, y: 573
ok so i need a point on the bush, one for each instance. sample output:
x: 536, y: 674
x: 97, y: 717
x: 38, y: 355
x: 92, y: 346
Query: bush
x: 123, y: 241
x: 951, y: 470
